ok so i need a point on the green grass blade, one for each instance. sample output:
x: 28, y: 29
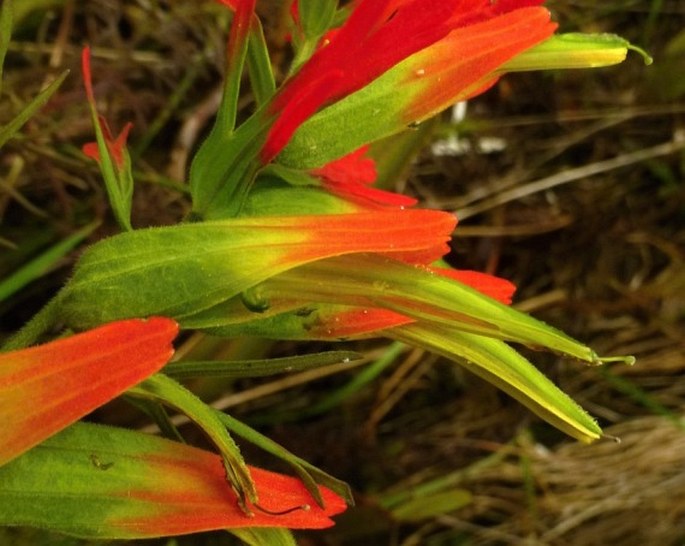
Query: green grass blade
x: 167, y: 391
x: 5, y: 32
x: 40, y: 265
x: 9, y: 130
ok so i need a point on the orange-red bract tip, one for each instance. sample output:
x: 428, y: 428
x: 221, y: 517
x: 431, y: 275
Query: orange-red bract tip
x: 45, y: 388
x: 352, y: 176
x: 115, y: 146
x: 185, y: 491
x: 497, y: 288
x: 87, y: 77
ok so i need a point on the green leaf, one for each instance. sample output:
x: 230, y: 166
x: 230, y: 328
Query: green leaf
x: 164, y: 389
x: 265, y: 537
x: 9, y: 130
x: 259, y: 64
x: 257, y: 368
x: 308, y: 473
x: 502, y: 366
x: 316, y: 17
x: 41, y: 264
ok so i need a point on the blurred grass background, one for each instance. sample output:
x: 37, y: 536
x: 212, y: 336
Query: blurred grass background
x: 568, y: 183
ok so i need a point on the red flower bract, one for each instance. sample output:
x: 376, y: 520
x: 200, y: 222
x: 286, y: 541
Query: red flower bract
x: 115, y: 145
x: 378, y: 35
x: 45, y: 388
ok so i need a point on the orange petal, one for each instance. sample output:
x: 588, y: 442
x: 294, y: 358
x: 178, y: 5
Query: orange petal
x: 43, y: 389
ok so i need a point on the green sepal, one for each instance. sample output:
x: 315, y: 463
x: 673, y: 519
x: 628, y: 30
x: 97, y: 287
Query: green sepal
x: 223, y: 169
x: 161, y: 388
x: 257, y: 368
x: 118, y: 178
x: 376, y: 281
x: 259, y: 64
x: 290, y: 194
x: 490, y: 358
x: 378, y: 110
x: 9, y: 130
x: 365, y: 116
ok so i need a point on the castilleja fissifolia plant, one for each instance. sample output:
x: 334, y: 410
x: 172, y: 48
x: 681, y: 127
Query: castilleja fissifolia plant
x: 287, y: 238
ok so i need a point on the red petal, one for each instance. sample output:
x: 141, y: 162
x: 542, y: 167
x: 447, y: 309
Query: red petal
x: 350, y: 177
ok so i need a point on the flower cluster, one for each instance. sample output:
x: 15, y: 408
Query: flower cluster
x: 289, y: 239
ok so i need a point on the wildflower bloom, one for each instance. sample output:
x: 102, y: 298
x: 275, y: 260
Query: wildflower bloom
x: 45, y: 388
x: 116, y: 146
x: 424, y: 307
x: 106, y: 482
x: 380, y: 34
x: 110, y: 153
